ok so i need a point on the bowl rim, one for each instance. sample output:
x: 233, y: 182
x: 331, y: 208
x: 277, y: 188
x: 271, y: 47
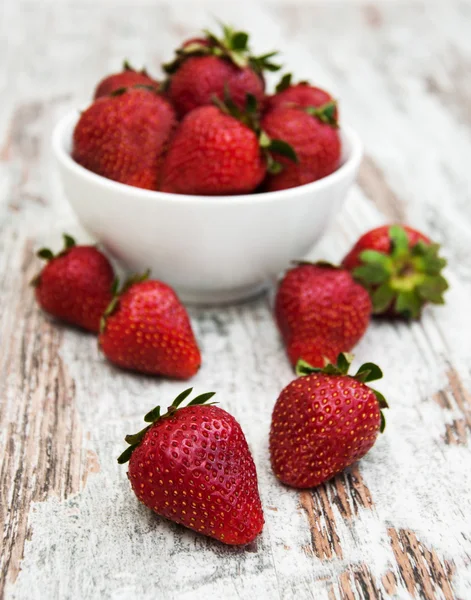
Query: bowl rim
x: 61, y: 136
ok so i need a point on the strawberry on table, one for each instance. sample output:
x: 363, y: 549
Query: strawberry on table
x: 75, y: 285
x: 193, y: 466
x: 324, y: 421
x: 124, y: 136
x: 147, y: 329
x: 220, y: 150
x: 128, y: 77
x: 207, y: 67
x: 320, y: 311
x: 299, y: 95
x: 400, y: 267
x: 313, y: 134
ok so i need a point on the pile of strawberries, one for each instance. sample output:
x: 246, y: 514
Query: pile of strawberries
x: 209, y: 128
x: 192, y: 464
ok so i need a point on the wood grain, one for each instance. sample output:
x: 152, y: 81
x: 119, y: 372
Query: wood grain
x: 422, y: 572
x: 398, y: 524
x: 42, y: 454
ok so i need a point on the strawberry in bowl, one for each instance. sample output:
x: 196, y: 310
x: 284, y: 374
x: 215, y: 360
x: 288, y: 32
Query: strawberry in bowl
x: 209, y: 180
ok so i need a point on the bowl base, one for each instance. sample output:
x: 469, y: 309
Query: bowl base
x: 221, y: 297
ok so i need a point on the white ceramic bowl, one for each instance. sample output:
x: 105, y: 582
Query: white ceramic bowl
x: 211, y: 249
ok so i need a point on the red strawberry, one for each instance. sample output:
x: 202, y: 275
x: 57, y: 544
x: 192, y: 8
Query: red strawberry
x: 320, y: 311
x: 147, y: 329
x: 193, y: 466
x: 123, y: 136
x: 75, y: 285
x: 213, y: 153
x: 401, y: 269
x: 128, y: 77
x: 324, y: 421
x: 315, y: 347
x: 209, y: 67
x: 299, y: 95
x: 313, y: 134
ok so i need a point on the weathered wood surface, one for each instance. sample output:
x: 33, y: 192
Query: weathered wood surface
x: 398, y: 525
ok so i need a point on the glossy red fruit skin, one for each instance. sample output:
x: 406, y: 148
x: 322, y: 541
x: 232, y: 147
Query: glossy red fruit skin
x: 301, y: 95
x: 321, y: 424
x: 75, y: 287
x: 317, y: 146
x: 124, y: 137
x: 320, y: 311
x: 195, y: 468
x: 125, y: 79
x: 150, y: 332
x: 312, y: 348
x: 212, y: 154
x: 378, y: 239
x: 199, y: 78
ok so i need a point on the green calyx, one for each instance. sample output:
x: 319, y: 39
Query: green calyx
x: 327, y: 113
x: 122, y: 90
x: 232, y: 45
x: 250, y: 116
x: 287, y: 81
x: 117, y: 292
x: 154, y: 416
x: 284, y: 83
x: 406, y: 278
x: 366, y: 373
x: 128, y: 67
x: 48, y: 255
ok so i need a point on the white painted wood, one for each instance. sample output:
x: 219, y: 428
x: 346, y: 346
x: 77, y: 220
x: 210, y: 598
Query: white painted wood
x: 401, y: 73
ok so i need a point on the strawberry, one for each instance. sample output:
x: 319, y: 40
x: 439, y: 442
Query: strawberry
x: 123, y: 136
x: 219, y: 150
x: 324, y: 421
x: 401, y: 269
x: 207, y: 67
x: 145, y: 328
x: 320, y: 311
x: 312, y: 133
x: 128, y: 77
x: 192, y: 465
x: 75, y: 285
x: 299, y: 95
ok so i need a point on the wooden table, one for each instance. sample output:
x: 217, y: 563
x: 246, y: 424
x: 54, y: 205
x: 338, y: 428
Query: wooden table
x: 398, y: 524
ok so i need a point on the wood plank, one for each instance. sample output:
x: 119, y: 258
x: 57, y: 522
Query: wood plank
x: 396, y: 525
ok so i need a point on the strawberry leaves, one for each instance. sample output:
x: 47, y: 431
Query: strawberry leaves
x: 327, y: 113
x: 48, y: 255
x: 232, y: 45
x: 153, y: 416
x: 404, y: 278
x: 284, y: 83
x: 117, y: 292
x: 250, y: 117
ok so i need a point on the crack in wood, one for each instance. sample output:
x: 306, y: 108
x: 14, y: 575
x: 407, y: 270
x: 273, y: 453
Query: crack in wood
x: 22, y: 146
x: 423, y: 574
x: 43, y: 453
x: 373, y: 182
x: 348, y: 493
x: 373, y: 15
x: 453, y: 90
x: 456, y: 398
x: 389, y: 583
x: 325, y: 541
x: 358, y: 582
